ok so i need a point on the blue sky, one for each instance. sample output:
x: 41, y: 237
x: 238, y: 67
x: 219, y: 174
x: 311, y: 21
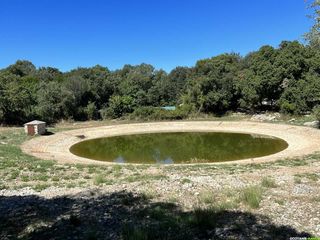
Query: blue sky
x: 165, y: 33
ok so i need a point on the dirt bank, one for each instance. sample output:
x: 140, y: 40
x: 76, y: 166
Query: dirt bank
x: 301, y: 140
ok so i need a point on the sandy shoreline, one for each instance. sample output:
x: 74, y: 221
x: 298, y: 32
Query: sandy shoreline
x: 301, y: 140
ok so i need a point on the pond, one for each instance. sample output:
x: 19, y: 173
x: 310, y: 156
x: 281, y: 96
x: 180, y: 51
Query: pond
x: 178, y: 147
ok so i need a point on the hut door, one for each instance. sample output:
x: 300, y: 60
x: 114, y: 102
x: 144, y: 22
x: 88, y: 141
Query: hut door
x: 31, y: 130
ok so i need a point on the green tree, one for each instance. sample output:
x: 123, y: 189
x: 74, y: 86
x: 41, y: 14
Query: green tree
x: 17, y: 98
x: 215, y: 79
x: 22, y: 68
x: 118, y: 106
x: 313, y: 36
x: 54, y: 102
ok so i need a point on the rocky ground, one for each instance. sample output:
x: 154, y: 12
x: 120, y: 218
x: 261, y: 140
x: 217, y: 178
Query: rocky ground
x: 46, y: 200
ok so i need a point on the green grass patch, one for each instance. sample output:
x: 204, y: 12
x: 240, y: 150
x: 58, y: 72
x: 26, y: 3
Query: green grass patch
x: 268, y: 182
x: 40, y: 187
x: 204, y: 218
x: 252, y: 196
x: 100, y: 180
x: 206, y: 197
x: 280, y: 201
x: 186, y: 181
x: 297, y: 180
x: 310, y: 176
x: 145, y: 177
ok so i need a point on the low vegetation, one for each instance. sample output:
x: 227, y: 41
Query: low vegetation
x: 252, y: 196
x: 268, y: 182
x: 177, y: 186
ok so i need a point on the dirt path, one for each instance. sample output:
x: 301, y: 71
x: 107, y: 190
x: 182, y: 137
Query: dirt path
x: 301, y: 140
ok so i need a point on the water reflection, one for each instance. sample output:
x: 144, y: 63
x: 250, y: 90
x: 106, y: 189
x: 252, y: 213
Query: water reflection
x: 168, y: 148
x: 119, y: 159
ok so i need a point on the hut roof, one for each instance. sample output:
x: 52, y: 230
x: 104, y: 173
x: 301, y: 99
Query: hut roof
x: 34, y: 122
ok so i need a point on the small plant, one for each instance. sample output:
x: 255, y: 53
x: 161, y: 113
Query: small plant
x: 297, y: 180
x: 25, y: 178
x: 14, y: 174
x: 185, y: 181
x: 204, y: 218
x: 99, y: 179
x: 268, y: 182
x: 71, y: 185
x: 116, y: 169
x: 311, y: 176
x: 42, y: 178
x: 55, y: 179
x: 40, y: 187
x: 130, y: 232
x: 316, y: 199
x: 172, y: 199
x: 280, y: 201
x: 224, y: 205
x: 252, y: 196
x: 157, y: 213
x: 206, y: 197
x: 147, y: 195
x: 316, y: 112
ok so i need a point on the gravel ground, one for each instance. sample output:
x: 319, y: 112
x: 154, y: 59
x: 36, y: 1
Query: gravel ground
x: 290, y: 208
x: 161, y: 202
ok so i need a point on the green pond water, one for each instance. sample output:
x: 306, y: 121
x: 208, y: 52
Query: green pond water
x: 178, y: 147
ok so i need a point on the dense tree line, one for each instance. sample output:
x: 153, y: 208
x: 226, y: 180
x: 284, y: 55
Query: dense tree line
x: 284, y: 79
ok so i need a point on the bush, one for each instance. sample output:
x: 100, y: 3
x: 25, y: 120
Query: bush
x: 252, y: 196
x: 118, y: 106
x: 316, y: 112
x: 155, y: 113
x: 268, y: 182
x: 287, y: 107
x: 91, y: 111
x: 143, y: 113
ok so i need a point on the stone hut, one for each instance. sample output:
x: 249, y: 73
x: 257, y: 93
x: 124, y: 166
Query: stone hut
x: 35, y: 128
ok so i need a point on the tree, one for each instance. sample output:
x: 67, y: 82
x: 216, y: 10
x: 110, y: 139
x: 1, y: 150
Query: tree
x: 47, y: 74
x: 17, y: 98
x: 316, y: 112
x: 22, y: 68
x: 91, y: 111
x: 177, y: 79
x: 118, y: 106
x: 248, y: 89
x: 215, y: 79
x: 313, y: 36
x: 54, y: 102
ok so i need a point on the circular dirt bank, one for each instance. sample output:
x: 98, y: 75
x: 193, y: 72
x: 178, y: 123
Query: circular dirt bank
x: 301, y: 140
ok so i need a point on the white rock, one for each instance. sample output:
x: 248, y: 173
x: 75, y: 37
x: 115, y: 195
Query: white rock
x: 314, y: 124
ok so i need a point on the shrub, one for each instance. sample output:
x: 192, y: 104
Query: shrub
x: 316, y: 112
x: 205, y: 218
x: 155, y: 113
x: 91, y: 111
x: 268, y: 182
x: 118, y: 106
x: 99, y: 179
x: 143, y: 113
x: 252, y: 196
x: 287, y: 107
x: 207, y: 197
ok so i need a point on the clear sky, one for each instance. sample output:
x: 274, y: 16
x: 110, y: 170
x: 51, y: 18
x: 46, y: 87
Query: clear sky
x: 165, y: 33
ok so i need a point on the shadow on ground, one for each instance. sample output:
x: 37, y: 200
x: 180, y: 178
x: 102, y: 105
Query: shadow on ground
x: 124, y: 215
